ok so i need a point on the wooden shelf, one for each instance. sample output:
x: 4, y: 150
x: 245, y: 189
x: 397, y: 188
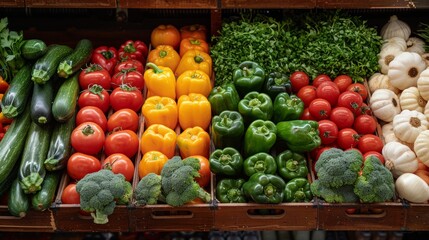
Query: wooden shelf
x: 71, y: 3
x: 12, y: 3
x: 364, y: 4
x: 299, y: 4
x: 169, y: 4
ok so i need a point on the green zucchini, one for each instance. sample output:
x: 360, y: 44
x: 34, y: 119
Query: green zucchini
x: 13, y: 142
x: 59, y: 146
x: 33, y: 49
x: 41, y: 102
x: 32, y: 170
x: 65, y: 101
x: 18, y: 202
x: 75, y: 60
x: 44, y: 198
x: 46, y: 66
x: 16, y: 97
x: 5, y: 185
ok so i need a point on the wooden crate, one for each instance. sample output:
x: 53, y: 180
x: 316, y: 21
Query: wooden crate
x: 417, y: 217
x: 71, y: 3
x: 363, y: 4
x: 305, y: 4
x: 34, y: 221
x: 167, y: 4
x: 12, y: 3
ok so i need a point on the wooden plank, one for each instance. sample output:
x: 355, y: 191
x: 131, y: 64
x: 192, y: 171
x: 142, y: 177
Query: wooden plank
x: 12, y: 3
x: 362, y: 4
x: 297, y: 4
x: 168, y: 4
x: 417, y: 217
x: 71, y: 3
x: 34, y: 221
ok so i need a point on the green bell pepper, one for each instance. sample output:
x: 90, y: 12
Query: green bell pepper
x: 287, y: 107
x: 230, y: 191
x: 227, y: 129
x: 255, y: 106
x: 260, y: 136
x: 248, y: 77
x: 260, y: 162
x: 227, y: 161
x: 297, y: 190
x: 224, y: 97
x: 276, y: 83
x: 265, y: 188
x: 291, y: 165
x: 299, y: 135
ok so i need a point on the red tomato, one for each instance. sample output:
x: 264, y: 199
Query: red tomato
x: 88, y: 138
x: 329, y: 91
x: 350, y: 100
x: 321, y: 78
x: 307, y: 94
x: 94, y: 74
x: 328, y: 131
x: 370, y: 142
x: 122, y: 141
x: 364, y: 110
x: 92, y: 114
x: 374, y: 153
x: 70, y: 195
x: 125, y: 119
x: 1, y: 128
x: 119, y: 163
x: 347, y: 138
x: 342, y: 117
x: 95, y: 96
x: 165, y: 34
x: 320, y: 109
x: 365, y: 124
x: 132, y: 78
x: 359, y: 88
x: 126, y: 97
x: 343, y: 81
x: 79, y: 164
x: 306, y: 115
x: 204, y: 179
x: 298, y: 80
x: 1, y: 135
x: 128, y: 65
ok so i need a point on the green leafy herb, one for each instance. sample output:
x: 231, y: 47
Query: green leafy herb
x: 423, y: 32
x: 10, y: 50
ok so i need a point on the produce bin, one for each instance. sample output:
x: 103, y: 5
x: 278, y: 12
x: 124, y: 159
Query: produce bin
x: 417, y: 218
x: 34, y: 221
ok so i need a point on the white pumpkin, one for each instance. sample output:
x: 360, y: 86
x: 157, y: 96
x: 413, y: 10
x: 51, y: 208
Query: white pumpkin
x: 423, y: 84
x: 395, y: 42
x: 421, y: 147
x: 386, y: 56
x: 384, y: 104
x: 399, y: 158
x: 379, y: 80
x: 405, y: 69
x: 412, y: 188
x: 409, y: 124
x: 387, y: 133
x: 426, y: 111
x: 415, y: 44
x: 410, y: 99
x: 425, y: 57
x: 395, y: 28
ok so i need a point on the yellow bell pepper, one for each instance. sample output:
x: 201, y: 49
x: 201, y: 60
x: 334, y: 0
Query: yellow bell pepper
x: 164, y: 55
x: 160, y: 138
x: 151, y: 162
x: 160, y: 110
x: 160, y: 81
x: 195, y: 60
x: 194, y: 110
x: 193, y: 141
x: 193, y: 81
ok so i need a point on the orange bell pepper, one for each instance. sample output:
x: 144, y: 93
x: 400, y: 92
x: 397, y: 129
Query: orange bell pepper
x: 193, y: 44
x: 160, y: 110
x: 193, y: 141
x: 195, y: 60
x: 194, y: 31
x: 193, y: 81
x: 160, y: 80
x: 194, y: 110
x: 160, y: 138
x: 3, y: 85
x: 164, y: 55
x: 151, y: 162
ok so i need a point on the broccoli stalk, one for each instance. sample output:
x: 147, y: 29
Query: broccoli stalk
x: 343, y: 194
x: 148, y: 190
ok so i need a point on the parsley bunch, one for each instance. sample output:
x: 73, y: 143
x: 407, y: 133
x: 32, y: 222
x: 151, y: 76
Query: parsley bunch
x: 11, y: 59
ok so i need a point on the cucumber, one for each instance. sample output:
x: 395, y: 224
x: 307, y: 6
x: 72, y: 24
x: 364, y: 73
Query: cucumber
x: 16, y: 97
x: 33, y: 49
x: 59, y: 146
x: 18, y: 202
x: 32, y: 171
x: 75, y: 60
x: 64, y: 106
x: 46, y: 66
x: 44, y: 198
x: 12, y: 144
x: 41, y: 102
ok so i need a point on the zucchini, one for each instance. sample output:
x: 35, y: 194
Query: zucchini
x: 46, y: 66
x: 16, y: 97
x: 41, y: 102
x: 12, y: 144
x: 44, y: 198
x: 75, y: 60
x: 33, y: 49
x: 5, y: 185
x: 64, y: 106
x: 32, y: 171
x: 59, y: 146
x: 18, y: 202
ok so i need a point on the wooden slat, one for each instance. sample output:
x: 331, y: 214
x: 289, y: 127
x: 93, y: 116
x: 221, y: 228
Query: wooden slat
x: 71, y: 3
x: 168, y: 4
x: 12, y: 3
x: 363, y: 4
x: 297, y: 4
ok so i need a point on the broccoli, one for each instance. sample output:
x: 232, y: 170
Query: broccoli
x: 376, y: 183
x: 343, y: 194
x: 336, y: 168
x: 148, y: 190
x: 99, y: 192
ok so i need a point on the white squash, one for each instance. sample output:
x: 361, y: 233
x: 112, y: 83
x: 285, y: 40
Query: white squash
x: 405, y: 69
x: 399, y: 158
x: 412, y: 188
x: 395, y: 42
x: 415, y: 44
x: 379, y: 80
x: 423, y: 84
x: 425, y: 57
x: 386, y: 56
x: 395, y: 28
x: 426, y: 111
x: 409, y: 124
x: 421, y: 147
x: 387, y: 133
x: 384, y: 104
x: 410, y: 99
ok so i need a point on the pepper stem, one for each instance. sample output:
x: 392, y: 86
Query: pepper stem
x: 155, y: 68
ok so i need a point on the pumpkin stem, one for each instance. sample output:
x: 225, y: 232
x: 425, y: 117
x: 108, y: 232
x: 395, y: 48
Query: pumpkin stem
x: 415, y: 122
x: 413, y: 72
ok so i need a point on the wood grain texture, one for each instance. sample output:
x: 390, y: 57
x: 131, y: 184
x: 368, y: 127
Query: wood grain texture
x: 71, y: 3
x: 304, y: 4
x: 12, y: 3
x: 168, y: 4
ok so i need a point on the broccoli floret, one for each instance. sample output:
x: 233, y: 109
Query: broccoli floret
x: 148, y: 190
x: 343, y: 194
x: 336, y: 167
x: 376, y: 183
x: 99, y: 192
